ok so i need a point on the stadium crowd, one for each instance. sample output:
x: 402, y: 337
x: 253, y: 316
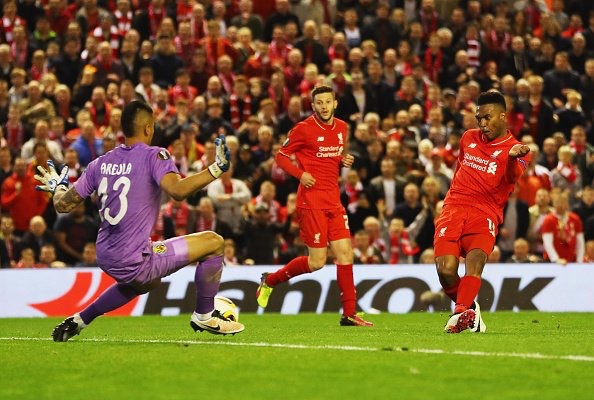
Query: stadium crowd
x: 406, y: 74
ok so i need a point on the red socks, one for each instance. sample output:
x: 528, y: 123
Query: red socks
x: 452, y: 291
x: 346, y: 284
x: 467, y: 292
x: 344, y: 275
x: 296, y: 266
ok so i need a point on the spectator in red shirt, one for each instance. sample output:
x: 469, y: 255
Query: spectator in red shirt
x: 563, y: 234
x: 182, y: 88
x: 215, y: 46
x: 20, y: 198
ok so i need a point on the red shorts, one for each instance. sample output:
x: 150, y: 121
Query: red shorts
x: 317, y: 227
x: 460, y: 229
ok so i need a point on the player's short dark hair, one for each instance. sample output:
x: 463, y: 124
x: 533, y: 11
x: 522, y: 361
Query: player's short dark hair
x: 319, y: 90
x: 131, y: 110
x: 491, y: 97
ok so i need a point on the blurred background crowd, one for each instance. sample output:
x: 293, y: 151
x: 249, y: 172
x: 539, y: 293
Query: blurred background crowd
x: 406, y: 75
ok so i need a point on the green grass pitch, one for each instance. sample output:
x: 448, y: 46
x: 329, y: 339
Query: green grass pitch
x: 525, y: 355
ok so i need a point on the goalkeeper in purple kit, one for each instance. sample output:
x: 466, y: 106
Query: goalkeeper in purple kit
x: 129, y: 181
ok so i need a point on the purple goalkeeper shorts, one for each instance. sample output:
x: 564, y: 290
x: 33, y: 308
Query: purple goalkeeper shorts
x: 160, y: 259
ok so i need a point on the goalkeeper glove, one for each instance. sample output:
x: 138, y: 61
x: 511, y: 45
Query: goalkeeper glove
x: 50, y: 179
x: 222, y: 158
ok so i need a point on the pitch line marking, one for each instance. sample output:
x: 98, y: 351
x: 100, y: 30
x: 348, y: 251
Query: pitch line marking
x: 535, y: 356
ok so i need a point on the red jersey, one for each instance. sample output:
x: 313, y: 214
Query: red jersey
x: 564, y: 234
x: 318, y: 149
x: 480, y: 178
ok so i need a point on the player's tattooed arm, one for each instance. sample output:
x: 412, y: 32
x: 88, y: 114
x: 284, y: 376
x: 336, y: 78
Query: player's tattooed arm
x: 66, y: 199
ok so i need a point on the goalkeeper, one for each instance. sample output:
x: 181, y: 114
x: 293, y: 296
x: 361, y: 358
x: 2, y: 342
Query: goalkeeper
x: 129, y: 181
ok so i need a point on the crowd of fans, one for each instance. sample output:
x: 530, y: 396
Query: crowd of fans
x: 406, y: 74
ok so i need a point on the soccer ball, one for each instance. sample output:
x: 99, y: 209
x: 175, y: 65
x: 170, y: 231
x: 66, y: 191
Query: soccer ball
x: 226, y: 307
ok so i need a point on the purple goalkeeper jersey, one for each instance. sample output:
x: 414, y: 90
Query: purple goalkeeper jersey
x: 127, y: 181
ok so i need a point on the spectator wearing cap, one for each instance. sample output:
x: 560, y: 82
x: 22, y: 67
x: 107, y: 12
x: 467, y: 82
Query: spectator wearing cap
x: 215, y: 124
x: 245, y: 167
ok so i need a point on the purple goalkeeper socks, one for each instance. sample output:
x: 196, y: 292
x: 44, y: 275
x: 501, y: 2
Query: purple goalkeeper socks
x: 207, y: 279
x: 116, y: 296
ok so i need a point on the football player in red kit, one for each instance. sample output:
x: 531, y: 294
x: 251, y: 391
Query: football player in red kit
x: 490, y: 163
x: 317, y: 144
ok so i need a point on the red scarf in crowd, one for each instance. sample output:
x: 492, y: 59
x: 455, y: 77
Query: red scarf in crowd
x: 179, y: 215
x: 473, y: 48
x: 567, y: 171
x: 282, y: 102
x: 19, y: 54
x: 334, y: 53
x: 227, y: 81
x: 15, y: 136
x: 93, y: 111
x: 401, y: 243
x: 199, y: 28
x: 433, y: 64
x: 155, y: 19
x: 214, y: 49
x: 429, y: 23
x: 184, y: 11
x: 123, y: 22
x: 236, y: 117
x: 8, y: 25
x: 500, y: 43
x: 178, y: 92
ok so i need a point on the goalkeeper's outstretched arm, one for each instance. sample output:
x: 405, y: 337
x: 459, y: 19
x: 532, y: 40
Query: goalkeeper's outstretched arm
x: 66, y: 199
